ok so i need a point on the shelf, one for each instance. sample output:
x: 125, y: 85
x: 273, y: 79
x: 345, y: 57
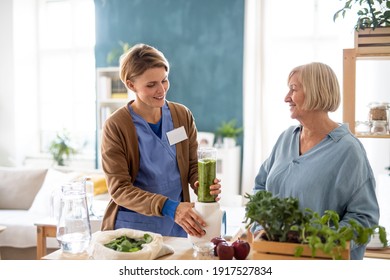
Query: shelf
x: 386, y: 136
x: 111, y: 94
x: 376, y: 56
x: 369, y: 44
x: 113, y: 101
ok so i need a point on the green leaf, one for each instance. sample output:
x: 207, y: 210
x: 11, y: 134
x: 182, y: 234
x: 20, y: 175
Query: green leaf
x: 279, y: 217
x: 370, y: 13
x: 127, y: 244
x: 61, y: 148
x: 148, y: 238
x: 229, y: 129
x: 298, y: 251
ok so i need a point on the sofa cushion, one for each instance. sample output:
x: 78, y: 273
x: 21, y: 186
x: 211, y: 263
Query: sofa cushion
x: 100, y: 184
x: 19, y: 186
x: 21, y: 231
x: 53, y: 181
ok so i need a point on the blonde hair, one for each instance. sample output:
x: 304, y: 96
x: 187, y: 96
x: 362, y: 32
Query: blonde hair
x: 138, y: 59
x: 320, y: 85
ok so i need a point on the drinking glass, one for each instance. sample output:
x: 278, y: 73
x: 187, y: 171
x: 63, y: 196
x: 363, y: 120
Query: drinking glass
x: 89, y: 191
x: 203, y: 251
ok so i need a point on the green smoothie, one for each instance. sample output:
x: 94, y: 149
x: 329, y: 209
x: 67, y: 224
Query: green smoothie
x: 206, y: 175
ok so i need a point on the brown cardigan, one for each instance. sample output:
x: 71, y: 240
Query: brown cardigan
x: 120, y: 162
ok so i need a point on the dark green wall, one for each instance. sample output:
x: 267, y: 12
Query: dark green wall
x: 202, y: 39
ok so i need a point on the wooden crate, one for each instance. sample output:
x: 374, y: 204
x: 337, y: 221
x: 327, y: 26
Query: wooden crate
x: 270, y: 250
x: 371, y: 41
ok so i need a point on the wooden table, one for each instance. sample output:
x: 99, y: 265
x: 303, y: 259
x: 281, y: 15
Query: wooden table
x: 182, y: 251
x: 47, y: 228
x: 182, y: 246
x: 1, y: 229
x: 378, y: 253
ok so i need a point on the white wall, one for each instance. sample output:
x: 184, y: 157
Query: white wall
x: 283, y: 47
x: 372, y: 85
x: 7, y: 96
x: 25, y: 79
x: 19, y: 92
x: 18, y: 81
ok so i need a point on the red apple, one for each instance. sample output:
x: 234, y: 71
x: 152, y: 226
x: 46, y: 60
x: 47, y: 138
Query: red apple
x: 216, y: 241
x: 225, y: 251
x: 241, y: 249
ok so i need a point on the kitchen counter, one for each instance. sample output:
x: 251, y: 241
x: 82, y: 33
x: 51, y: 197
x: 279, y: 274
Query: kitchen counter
x: 182, y: 251
x: 181, y: 246
x: 378, y: 253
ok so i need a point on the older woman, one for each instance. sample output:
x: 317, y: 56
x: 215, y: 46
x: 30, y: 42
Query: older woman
x: 319, y: 161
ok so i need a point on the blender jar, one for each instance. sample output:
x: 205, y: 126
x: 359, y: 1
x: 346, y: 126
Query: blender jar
x: 207, y: 169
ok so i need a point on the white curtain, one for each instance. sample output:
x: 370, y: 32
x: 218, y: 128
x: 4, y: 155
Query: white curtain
x: 252, y: 94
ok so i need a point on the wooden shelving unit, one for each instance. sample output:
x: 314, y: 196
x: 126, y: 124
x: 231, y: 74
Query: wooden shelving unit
x: 111, y: 94
x: 369, y: 44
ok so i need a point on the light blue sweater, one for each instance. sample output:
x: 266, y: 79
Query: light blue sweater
x: 333, y: 175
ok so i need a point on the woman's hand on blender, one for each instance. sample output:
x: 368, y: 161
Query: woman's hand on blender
x: 189, y: 220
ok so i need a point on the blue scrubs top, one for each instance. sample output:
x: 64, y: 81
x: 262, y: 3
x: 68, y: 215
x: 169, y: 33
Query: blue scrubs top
x: 158, y: 173
x: 334, y: 175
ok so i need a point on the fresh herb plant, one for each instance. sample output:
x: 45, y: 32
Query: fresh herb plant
x: 325, y: 233
x: 283, y: 221
x: 127, y: 244
x: 278, y: 217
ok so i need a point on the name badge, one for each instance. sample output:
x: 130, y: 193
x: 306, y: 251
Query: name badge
x: 177, y: 135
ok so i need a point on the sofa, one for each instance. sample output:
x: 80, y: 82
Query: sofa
x: 25, y: 198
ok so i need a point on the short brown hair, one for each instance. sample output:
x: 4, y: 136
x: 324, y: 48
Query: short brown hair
x: 138, y: 59
x: 320, y: 85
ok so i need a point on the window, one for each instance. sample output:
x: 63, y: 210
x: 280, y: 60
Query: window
x: 299, y: 32
x: 279, y: 36
x: 66, y: 71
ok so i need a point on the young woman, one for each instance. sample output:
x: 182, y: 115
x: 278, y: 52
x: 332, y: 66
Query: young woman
x: 149, y: 153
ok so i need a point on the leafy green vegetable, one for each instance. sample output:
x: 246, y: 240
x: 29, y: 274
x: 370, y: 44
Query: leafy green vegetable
x: 278, y: 217
x: 127, y: 244
x: 283, y: 221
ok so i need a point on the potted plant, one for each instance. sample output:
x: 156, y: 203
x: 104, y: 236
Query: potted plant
x: 290, y: 232
x: 229, y: 131
x: 372, y: 27
x: 370, y: 13
x: 114, y: 55
x: 61, y: 149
